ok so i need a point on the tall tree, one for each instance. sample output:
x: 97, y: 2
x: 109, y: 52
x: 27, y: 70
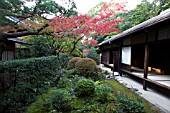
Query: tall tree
x: 74, y: 29
x: 144, y: 11
x: 30, y: 19
x: 115, y: 9
x: 18, y: 19
x: 68, y: 29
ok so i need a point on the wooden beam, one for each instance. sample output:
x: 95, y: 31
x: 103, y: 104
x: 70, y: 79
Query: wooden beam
x: 146, y: 61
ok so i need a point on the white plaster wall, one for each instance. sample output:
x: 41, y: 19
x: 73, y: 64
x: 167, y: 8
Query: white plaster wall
x: 126, y: 55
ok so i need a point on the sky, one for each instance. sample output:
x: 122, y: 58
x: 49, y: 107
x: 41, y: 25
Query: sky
x: 84, y: 5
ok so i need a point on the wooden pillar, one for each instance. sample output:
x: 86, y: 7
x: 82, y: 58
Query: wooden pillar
x: 146, y: 61
x: 120, y: 60
x: 113, y: 65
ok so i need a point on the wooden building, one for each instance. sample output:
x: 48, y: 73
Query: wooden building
x: 143, y: 48
x: 9, y: 48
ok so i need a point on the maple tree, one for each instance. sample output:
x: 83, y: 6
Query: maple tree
x: 68, y: 29
x: 74, y: 29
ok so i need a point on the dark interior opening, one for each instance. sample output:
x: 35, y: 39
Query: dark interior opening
x: 137, y: 58
x: 160, y: 56
x: 111, y: 57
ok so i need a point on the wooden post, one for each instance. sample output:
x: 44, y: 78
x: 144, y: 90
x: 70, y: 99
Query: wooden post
x: 120, y: 60
x: 146, y: 61
x: 113, y: 64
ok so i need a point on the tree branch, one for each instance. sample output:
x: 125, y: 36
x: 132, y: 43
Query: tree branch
x: 75, y: 42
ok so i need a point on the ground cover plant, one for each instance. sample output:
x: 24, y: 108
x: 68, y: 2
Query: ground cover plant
x: 76, y: 93
x: 121, y: 89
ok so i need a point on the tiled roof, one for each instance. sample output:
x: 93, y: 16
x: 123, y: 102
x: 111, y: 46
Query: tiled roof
x: 155, y: 20
x: 17, y: 40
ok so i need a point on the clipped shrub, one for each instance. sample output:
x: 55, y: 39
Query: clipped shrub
x: 61, y: 100
x: 84, y: 88
x: 72, y: 62
x: 99, y: 69
x: 127, y: 105
x: 104, y: 93
x: 86, y: 67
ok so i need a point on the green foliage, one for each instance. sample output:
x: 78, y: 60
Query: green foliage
x: 55, y: 100
x: 64, y: 82
x: 24, y: 79
x: 60, y: 100
x: 99, y: 76
x: 93, y: 55
x: 86, y: 67
x: 84, y: 88
x: 127, y: 105
x: 72, y: 62
x: 121, y: 89
x: 20, y: 10
x: 63, y: 59
x: 100, y: 39
x: 144, y: 11
x: 40, y: 46
x: 104, y: 93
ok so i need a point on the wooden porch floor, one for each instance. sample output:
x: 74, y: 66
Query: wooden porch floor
x: 160, y: 78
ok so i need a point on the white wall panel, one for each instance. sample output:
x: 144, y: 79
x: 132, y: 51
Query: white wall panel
x: 126, y: 55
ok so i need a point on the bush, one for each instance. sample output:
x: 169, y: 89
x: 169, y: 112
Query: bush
x: 93, y: 55
x: 103, y: 93
x: 55, y: 100
x: 64, y: 82
x: 84, y: 87
x: 60, y: 100
x: 127, y: 105
x: 64, y: 59
x: 23, y: 80
x: 72, y: 62
x: 86, y: 67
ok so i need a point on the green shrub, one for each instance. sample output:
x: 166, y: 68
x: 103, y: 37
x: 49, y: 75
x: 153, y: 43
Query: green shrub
x: 93, y: 55
x: 84, y: 87
x: 71, y: 73
x: 60, y: 100
x: 64, y: 82
x: 127, y: 105
x: 99, y: 75
x: 86, y: 67
x: 63, y: 59
x: 55, y: 100
x: 104, y: 93
x: 24, y: 79
x: 72, y: 62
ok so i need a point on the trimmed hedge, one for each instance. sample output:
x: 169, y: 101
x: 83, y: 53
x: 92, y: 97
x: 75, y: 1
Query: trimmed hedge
x: 84, y: 88
x: 23, y: 80
x: 86, y: 67
x: 72, y: 62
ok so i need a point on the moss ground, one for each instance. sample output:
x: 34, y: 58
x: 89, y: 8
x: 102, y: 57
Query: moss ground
x: 120, y: 89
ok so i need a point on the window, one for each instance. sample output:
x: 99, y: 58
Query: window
x: 8, y: 55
